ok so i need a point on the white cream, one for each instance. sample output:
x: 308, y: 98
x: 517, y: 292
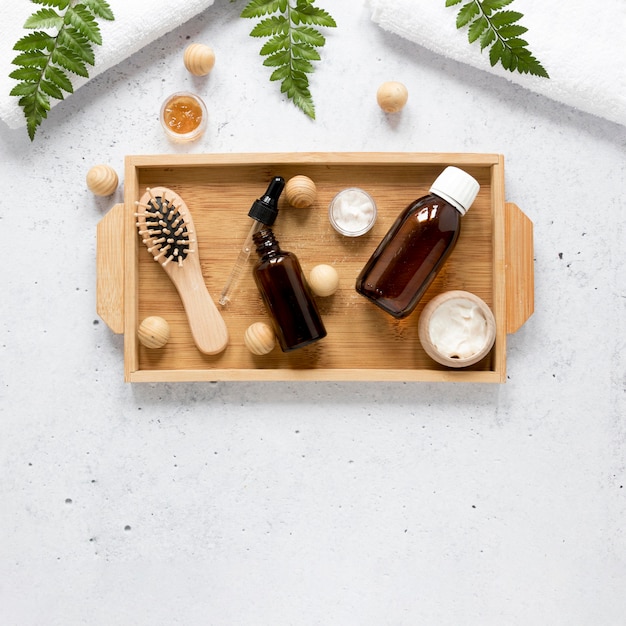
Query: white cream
x: 458, y: 328
x: 352, y: 212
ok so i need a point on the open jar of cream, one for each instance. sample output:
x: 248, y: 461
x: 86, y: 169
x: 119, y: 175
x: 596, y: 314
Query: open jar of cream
x: 457, y: 329
x: 352, y: 212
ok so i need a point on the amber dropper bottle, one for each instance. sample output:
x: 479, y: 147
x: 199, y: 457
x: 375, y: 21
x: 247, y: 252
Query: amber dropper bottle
x: 286, y: 294
x: 417, y: 245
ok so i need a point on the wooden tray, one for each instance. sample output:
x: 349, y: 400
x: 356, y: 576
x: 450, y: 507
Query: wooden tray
x: 493, y: 259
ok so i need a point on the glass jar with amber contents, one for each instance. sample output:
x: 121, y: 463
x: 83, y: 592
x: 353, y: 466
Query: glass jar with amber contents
x: 183, y: 116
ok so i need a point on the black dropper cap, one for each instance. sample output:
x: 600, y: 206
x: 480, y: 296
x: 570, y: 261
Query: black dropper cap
x: 265, y: 209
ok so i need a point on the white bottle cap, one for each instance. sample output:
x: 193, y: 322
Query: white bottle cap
x: 457, y: 187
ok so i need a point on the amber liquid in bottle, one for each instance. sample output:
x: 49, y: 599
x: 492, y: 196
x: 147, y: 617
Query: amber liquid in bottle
x: 286, y: 294
x: 410, y: 255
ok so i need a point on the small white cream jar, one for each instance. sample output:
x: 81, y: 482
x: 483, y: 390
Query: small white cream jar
x: 457, y: 329
x: 352, y: 212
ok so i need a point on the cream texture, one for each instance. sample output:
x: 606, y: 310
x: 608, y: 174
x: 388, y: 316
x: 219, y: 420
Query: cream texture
x: 353, y: 211
x: 458, y: 328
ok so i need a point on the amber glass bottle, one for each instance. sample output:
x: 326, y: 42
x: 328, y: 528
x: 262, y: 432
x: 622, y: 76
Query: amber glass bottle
x: 418, y: 243
x: 286, y: 294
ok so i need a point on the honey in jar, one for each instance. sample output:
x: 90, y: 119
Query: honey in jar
x: 183, y: 116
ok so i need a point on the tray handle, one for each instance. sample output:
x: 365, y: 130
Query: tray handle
x: 110, y: 269
x: 519, y: 271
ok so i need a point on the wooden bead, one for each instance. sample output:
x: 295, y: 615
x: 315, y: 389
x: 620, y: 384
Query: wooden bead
x: 324, y: 280
x: 153, y: 332
x: 102, y: 180
x: 392, y: 96
x: 259, y: 338
x: 300, y: 191
x: 199, y: 59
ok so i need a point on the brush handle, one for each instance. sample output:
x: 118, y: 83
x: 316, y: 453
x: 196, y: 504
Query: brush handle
x: 205, y: 321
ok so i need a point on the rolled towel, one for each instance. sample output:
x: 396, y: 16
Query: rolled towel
x: 136, y: 25
x: 580, y: 43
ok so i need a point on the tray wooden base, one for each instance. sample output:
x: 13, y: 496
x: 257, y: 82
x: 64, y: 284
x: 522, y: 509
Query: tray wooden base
x: 493, y: 259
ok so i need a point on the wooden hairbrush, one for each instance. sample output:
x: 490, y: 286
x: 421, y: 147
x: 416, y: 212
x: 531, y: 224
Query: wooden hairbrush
x: 166, y: 228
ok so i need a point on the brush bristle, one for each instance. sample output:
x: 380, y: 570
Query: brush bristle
x: 163, y: 230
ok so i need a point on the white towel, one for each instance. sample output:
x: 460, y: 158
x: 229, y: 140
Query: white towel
x: 581, y: 44
x: 137, y: 23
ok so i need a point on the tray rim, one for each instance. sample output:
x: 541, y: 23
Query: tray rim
x: 134, y: 163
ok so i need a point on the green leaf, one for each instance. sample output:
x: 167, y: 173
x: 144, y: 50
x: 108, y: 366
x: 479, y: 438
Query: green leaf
x: 502, y: 18
x: 44, y: 18
x: 35, y: 58
x: 59, y: 4
x: 45, y: 58
x: 27, y: 74
x: 256, y: 8
x: 477, y: 28
x: 311, y: 14
x: 273, y: 45
x: 73, y: 40
x: 24, y: 89
x: 277, y: 24
x: 67, y: 59
x: 292, y: 43
x: 100, y: 8
x: 59, y: 78
x: 487, y: 38
x: 306, y: 34
x: 467, y: 13
x: 83, y: 21
x: 50, y: 89
x: 489, y: 6
x: 498, y: 29
x: 35, y: 41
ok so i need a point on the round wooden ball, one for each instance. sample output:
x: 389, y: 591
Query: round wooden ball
x: 392, y: 96
x: 300, y: 191
x: 102, y: 180
x: 259, y: 338
x: 199, y: 59
x: 153, y: 332
x: 324, y: 280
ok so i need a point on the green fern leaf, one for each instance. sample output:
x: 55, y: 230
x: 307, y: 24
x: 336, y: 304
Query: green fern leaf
x: 100, y: 8
x: 495, y: 28
x: 309, y: 35
x: 73, y: 40
x: 310, y: 14
x: 489, y: 6
x: 70, y: 61
x: 39, y: 40
x: 257, y: 8
x: 33, y: 58
x: 59, y: 4
x: 84, y: 22
x: 292, y: 43
x: 45, y: 59
x: 26, y: 74
x: 467, y: 13
x: 275, y: 25
x: 44, y: 18
x: 59, y: 78
x: 275, y: 44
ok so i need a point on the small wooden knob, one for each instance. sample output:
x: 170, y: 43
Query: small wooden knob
x: 324, y: 280
x: 301, y: 192
x: 153, y: 332
x: 199, y: 59
x: 259, y: 338
x: 102, y: 180
x: 392, y: 96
